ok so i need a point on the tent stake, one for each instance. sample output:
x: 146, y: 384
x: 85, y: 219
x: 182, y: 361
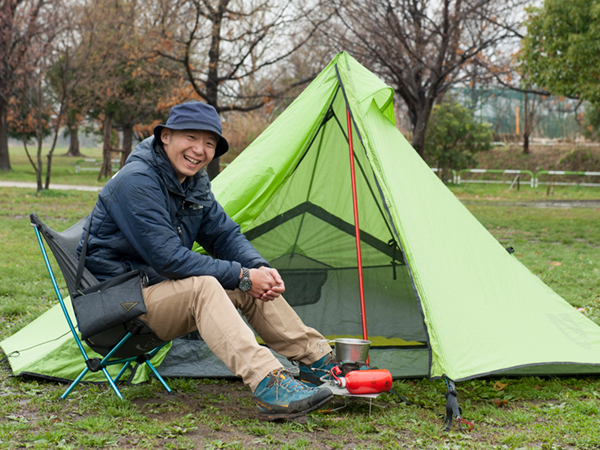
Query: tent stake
x: 357, y: 229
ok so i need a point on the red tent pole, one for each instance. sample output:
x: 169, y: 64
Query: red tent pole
x: 357, y: 229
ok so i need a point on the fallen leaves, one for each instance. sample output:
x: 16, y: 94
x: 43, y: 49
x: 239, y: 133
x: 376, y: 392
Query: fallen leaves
x: 500, y: 386
x: 554, y: 264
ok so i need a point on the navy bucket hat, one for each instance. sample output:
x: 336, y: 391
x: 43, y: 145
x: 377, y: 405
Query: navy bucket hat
x: 195, y: 116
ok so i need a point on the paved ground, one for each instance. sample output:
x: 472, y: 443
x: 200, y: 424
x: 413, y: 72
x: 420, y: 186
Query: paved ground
x: 62, y: 187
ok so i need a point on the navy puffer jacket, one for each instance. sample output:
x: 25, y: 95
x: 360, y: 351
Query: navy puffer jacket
x: 145, y: 219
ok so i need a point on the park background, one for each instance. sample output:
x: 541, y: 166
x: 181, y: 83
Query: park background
x: 468, y: 75
x: 489, y: 84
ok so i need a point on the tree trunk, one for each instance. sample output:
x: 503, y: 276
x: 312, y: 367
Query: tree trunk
x: 212, y: 80
x: 106, y: 170
x: 526, y: 143
x: 49, y: 162
x: 420, y: 128
x: 4, y: 157
x: 214, y: 168
x: 39, y: 172
x: 526, y: 123
x: 37, y: 169
x: 127, y: 142
x: 51, y: 151
x: 74, y: 149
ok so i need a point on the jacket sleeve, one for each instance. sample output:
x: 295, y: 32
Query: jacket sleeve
x: 222, y: 237
x: 140, y: 211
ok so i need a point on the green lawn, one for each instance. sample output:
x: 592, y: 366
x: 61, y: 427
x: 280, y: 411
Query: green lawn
x: 63, y: 167
x: 560, y: 245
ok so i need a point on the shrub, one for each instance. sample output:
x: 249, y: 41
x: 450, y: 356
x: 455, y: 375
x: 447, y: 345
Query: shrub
x: 454, y: 137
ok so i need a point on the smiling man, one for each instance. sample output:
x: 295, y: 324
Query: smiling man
x: 189, y: 150
x: 149, y: 215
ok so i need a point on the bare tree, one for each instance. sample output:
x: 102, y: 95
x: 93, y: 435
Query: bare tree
x: 21, y: 24
x: 67, y: 70
x: 32, y: 114
x: 507, y: 70
x: 420, y: 47
x: 226, y: 47
x: 71, y: 67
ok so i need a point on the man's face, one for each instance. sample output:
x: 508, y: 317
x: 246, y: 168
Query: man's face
x: 189, y: 150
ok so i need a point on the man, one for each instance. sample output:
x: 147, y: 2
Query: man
x: 149, y: 215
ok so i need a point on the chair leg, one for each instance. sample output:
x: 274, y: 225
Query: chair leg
x: 112, y: 383
x: 158, y: 376
x: 122, y: 371
x: 74, y: 383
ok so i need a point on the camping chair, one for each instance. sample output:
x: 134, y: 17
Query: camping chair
x: 139, y: 343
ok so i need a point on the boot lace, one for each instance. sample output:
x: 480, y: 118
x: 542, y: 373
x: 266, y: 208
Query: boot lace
x: 283, y: 379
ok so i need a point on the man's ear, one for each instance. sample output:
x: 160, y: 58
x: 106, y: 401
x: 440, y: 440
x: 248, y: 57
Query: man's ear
x: 165, y: 135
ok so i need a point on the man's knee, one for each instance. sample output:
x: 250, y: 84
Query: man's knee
x: 206, y: 283
x: 200, y: 289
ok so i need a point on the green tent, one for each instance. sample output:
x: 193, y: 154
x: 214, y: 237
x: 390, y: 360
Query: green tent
x: 442, y: 296
x: 45, y: 348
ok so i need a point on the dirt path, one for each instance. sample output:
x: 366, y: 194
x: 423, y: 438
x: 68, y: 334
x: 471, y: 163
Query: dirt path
x: 534, y: 204
x: 539, y: 204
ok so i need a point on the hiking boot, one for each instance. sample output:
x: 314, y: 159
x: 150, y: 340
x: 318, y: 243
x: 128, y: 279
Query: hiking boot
x: 280, y: 396
x: 312, y: 374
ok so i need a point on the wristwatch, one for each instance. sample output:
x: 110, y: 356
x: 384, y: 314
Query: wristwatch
x: 245, y: 283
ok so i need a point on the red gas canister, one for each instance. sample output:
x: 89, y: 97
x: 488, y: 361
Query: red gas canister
x: 364, y: 381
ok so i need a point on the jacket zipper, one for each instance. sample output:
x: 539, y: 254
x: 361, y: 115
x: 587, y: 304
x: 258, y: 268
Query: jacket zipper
x: 178, y: 227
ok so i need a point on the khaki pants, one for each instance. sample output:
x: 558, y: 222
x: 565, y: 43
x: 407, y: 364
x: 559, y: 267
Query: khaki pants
x: 178, y: 307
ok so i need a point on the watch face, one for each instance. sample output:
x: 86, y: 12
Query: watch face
x: 245, y: 284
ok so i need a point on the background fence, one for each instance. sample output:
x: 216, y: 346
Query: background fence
x: 516, y: 177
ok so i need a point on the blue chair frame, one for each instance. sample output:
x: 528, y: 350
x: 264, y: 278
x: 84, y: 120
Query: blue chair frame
x: 94, y: 364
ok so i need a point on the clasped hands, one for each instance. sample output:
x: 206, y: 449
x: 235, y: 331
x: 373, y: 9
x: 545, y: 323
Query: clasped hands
x: 267, y: 284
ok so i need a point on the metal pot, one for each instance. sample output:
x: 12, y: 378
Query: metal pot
x: 351, y: 350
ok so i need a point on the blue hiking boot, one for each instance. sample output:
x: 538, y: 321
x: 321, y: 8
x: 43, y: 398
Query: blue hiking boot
x: 312, y: 374
x: 280, y: 396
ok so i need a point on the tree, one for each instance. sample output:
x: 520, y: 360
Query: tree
x: 34, y: 114
x: 225, y: 47
x: 71, y: 68
x: 561, y: 50
x: 29, y: 120
x: 23, y: 24
x: 73, y: 122
x: 109, y: 27
x: 454, y: 138
x: 139, y: 93
x: 120, y: 90
x: 532, y: 106
x: 65, y: 73
x: 420, y: 47
x: 591, y: 122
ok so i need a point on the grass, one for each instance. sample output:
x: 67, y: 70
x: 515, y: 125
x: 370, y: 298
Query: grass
x: 561, y: 246
x: 501, y: 193
x: 63, y: 167
x: 26, y: 291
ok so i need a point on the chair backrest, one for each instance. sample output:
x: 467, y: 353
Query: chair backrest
x: 64, y: 248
